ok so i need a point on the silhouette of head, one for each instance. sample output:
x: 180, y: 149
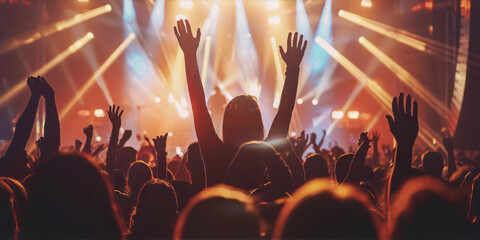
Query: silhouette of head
x: 432, y: 162
x: 155, y: 214
x: 8, y: 223
x: 184, y: 191
x: 247, y: 167
x: 138, y: 174
x: 319, y: 210
x: 125, y: 157
x: 242, y: 121
x: 315, y: 167
x: 342, y: 166
x: 69, y: 198
x: 219, y: 212
x: 20, y: 197
x: 427, y: 208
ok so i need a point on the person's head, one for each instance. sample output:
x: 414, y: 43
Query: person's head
x: 247, y: 168
x: 184, y: 191
x: 138, y: 174
x: 218, y: 212
x: 242, y: 121
x: 427, y: 208
x: 8, y: 223
x: 69, y: 198
x: 315, y: 167
x: 432, y: 163
x: 156, y: 210
x: 319, y: 210
x: 125, y: 157
x: 342, y: 166
x: 20, y: 197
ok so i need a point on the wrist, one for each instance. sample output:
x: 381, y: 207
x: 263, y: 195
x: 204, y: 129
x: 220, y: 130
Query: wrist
x: 293, y: 69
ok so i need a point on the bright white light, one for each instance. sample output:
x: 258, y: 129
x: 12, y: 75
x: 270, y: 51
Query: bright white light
x: 158, y: 99
x: 299, y: 101
x: 178, y: 151
x: 180, y: 16
x: 183, y: 102
x: 274, y: 20
x: 83, y: 0
x: 293, y: 134
x: 353, y: 114
x: 98, y: 138
x: 186, y: 4
x: 90, y: 35
x: 361, y: 39
x: 366, y: 3
x: 99, y: 113
x: 170, y: 134
x: 248, y: 35
x: 337, y: 114
x: 315, y: 102
x: 171, y: 99
x: 273, y: 4
x: 108, y: 7
x: 341, y: 13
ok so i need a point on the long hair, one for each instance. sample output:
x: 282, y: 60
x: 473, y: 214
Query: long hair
x: 242, y: 121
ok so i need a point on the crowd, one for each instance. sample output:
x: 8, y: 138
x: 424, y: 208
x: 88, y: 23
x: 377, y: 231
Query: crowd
x: 245, y: 185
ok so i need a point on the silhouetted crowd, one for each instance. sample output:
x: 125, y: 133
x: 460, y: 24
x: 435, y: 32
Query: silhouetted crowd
x: 245, y: 185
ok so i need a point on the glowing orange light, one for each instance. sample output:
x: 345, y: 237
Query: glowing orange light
x: 353, y: 114
x: 274, y: 20
x: 99, y: 113
x: 83, y: 113
x: 337, y: 114
x: 366, y: 3
x: 272, y: 4
x: 300, y: 101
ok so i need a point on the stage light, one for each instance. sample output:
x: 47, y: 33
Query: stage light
x: 248, y: 35
x: 83, y: 113
x: 178, y: 151
x: 272, y: 4
x: 158, y: 99
x: 98, y: 138
x: 276, y: 104
x: 171, y: 99
x: 99, y: 113
x: 402, y: 74
x: 293, y: 134
x: 98, y: 73
x: 274, y: 20
x: 318, y: 56
x: 366, y: 3
x: 170, y: 134
x: 47, y: 67
x: 31, y: 37
x: 180, y: 17
x: 300, y: 101
x: 206, y: 58
x: 383, y: 29
x: 337, y: 114
x: 366, y: 116
x: 353, y: 114
x: 83, y: 0
x: 279, y: 73
x: 186, y: 4
x: 183, y: 102
x: 315, y: 102
x: 158, y: 15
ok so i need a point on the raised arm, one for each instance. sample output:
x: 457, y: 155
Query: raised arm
x: 293, y: 58
x: 376, y: 153
x: 160, y: 143
x: 355, y: 171
x: 23, y: 129
x: 88, y: 141
x: 448, y: 144
x: 52, y: 124
x: 404, y: 127
x: 115, y: 117
x: 126, y: 135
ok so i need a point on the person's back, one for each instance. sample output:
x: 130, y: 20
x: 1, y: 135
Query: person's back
x: 320, y: 211
x: 342, y: 166
x: 432, y: 163
x: 8, y: 224
x: 218, y: 213
x: 70, y: 198
x: 155, y: 214
x: 315, y: 167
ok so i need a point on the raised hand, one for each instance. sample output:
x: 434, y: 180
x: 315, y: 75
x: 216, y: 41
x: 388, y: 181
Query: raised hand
x: 187, y: 41
x: 313, y: 139
x: 34, y: 84
x: 448, y: 144
x: 88, y: 131
x: 404, y: 123
x: 375, y: 137
x: 99, y: 149
x: 45, y: 88
x: 160, y: 143
x: 364, y: 139
x: 295, y: 50
x: 301, y: 144
x: 126, y: 135
x: 115, y: 116
x: 78, y: 145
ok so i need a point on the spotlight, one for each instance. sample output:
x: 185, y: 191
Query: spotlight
x: 180, y: 17
x: 272, y: 4
x: 299, y: 101
x: 178, y: 151
x: 274, y: 20
x: 248, y: 35
x: 366, y: 115
x: 186, y: 4
x: 83, y: 0
x: 337, y: 114
x: 99, y: 113
x: 108, y: 7
x: 171, y: 99
x: 293, y: 134
x: 170, y: 134
x: 315, y: 102
x: 158, y: 99
x: 98, y: 138
x: 366, y: 3
x: 183, y: 102
x: 83, y: 113
x: 353, y: 114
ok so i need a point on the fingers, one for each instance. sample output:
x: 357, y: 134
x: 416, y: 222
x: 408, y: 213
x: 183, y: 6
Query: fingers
x: 176, y: 33
x: 189, y: 29
x: 199, y: 33
x: 415, y: 110
x: 181, y: 27
x: 282, y: 52
x: 289, y: 41
x: 408, y: 107
x: 395, y: 107
x: 390, y: 122
x: 304, y: 46
x: 300, y: 41
x: 120, y: 114
x: 294, y: 43
x: 401, y: 105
